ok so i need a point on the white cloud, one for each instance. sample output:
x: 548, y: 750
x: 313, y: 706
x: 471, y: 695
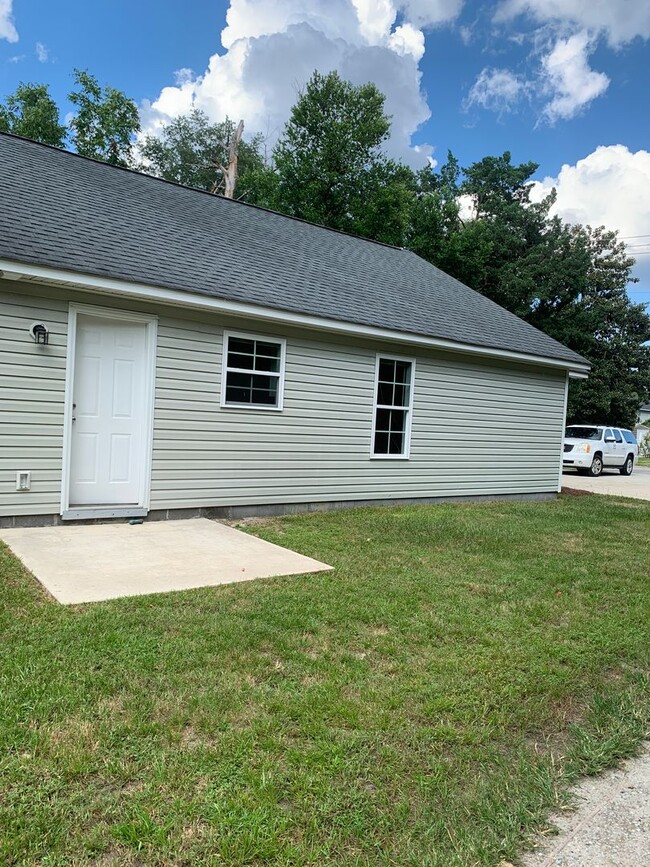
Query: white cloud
x: 407, y: 40
x: 563, y: 35
x: 271, y: 49
x: 496, y: 90
x: 619, y: 21
x: 7, y: 28
x: 42, y: 52
x: 566, y: 74
x: 431, y: 13
x: 609, y: 187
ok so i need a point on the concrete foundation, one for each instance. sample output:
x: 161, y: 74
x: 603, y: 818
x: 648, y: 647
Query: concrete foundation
x: 268, y: 510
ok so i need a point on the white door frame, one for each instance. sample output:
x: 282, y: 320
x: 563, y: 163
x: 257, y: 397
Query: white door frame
x: 151, y: 331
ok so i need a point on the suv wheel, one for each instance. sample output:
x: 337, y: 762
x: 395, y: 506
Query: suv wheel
x: 596, y: 467
x: 628, y: 466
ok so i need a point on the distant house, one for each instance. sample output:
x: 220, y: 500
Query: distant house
x: 644, y: 413
x: 168, y: 352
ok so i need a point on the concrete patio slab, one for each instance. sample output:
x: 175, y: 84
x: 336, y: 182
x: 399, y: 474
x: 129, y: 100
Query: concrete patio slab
x: 107, y: 561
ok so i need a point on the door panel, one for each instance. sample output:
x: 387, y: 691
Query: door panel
x: 620, y: 452
x: 609, y: 449
x: 108, y: 430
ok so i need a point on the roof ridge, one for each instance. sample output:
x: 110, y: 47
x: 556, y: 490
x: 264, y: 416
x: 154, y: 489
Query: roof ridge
x: 60, y: 150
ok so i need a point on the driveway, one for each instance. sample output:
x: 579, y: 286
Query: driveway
x: 612, y: 482
x: 89, y: 563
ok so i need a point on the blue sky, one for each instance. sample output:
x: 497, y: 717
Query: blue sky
x: 563, y: 83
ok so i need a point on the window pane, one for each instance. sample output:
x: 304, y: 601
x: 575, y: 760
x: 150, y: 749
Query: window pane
x: 385, y: 393
x: 265, y: 362
x: 618, y: 437
x: 241, y: 345
x: 381, y: 443
x: 386, y: 370
x: 270, y: 349
x: 382, y: 420
x: 265, y: 396
x: 396, y: 443
x: 236, y: 359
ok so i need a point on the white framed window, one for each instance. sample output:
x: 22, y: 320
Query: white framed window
x: 252, y: 371
x: 393, y: 407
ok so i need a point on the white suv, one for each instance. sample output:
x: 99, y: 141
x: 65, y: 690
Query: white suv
x: 591, y: 448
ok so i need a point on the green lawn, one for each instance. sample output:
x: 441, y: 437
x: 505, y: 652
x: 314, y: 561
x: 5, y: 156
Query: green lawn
x: 643, y: 462
x: 425, y: 704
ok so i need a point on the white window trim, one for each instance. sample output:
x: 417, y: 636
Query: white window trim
x: 406, y: 454
x: 266, y: 338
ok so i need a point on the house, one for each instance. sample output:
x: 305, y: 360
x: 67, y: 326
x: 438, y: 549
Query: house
x: 164, y: 352
x: 644, y: 413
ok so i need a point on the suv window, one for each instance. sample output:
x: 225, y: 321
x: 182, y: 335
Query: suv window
x: 608, y: 435
x: 617, y: 436
x: 629, y: 437
x: 583, y: 433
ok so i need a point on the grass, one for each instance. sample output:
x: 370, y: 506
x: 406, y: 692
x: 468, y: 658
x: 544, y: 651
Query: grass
x: 428, y: 703
x: 643, y: 462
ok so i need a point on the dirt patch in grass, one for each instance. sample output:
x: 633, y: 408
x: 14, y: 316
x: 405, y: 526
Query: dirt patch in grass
x: 576, y: 492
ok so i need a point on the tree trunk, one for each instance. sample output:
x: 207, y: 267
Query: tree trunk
x: 230, y: 172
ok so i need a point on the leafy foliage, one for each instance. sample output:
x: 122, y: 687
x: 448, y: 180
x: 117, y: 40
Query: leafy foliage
x: 568, y: 281
x: 105, y: 123
x: 190, y: 150
x: 329, y: 165
x: 31, y: 112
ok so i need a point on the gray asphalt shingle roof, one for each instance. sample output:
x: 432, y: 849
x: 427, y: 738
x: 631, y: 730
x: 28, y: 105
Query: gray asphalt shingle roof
x: 71, y: 213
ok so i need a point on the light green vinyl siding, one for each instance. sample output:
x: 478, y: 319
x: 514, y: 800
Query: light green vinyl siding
x: 32, y: 388
x: 478, y: 427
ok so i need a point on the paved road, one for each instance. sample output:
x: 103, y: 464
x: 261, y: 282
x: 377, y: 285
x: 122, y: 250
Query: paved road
x: 612, y: 482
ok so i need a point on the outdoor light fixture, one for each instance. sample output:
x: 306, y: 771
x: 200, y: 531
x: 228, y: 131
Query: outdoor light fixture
x: 40, y: 333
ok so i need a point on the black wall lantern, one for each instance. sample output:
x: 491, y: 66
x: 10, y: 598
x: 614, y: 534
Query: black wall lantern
x: 40, y: 333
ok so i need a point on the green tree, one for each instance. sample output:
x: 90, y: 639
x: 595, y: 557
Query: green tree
x: 190, y: 150
x: 32, y: 113
x: 106, y: 121
x: 435, y: 212
x: 612, y: 332
x: 330, y: 167
x: 568, y: 281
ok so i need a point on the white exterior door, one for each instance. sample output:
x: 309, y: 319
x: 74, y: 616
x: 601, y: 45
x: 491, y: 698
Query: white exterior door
x: 109, y: 412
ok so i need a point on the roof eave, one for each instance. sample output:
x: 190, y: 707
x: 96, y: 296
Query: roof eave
x: 15, y: 270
